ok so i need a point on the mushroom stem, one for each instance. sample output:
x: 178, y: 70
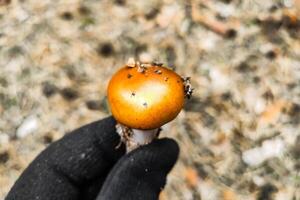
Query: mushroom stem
x: 133, y: 138
x: 143, y: 136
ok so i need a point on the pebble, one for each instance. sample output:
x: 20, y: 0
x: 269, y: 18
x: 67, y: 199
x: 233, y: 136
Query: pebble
x: 253, y: 100
x: 106, y: 49
x: 21, y: 14
x: 69, y: 94
x: 168, y: 15
x: 4, y: 139
x: 49, y: 89
x: 67, y: 16
x: 288, y: 3
x: 210, y: 42
x: 29, y: 125
x: 93, y: 105
x: 145, y: 57
x: 269, y: 149
x: 208, y: 191
x: 225, y: 10
x: 219, y: 80
x: 4, y: 157
x: 259, y: 181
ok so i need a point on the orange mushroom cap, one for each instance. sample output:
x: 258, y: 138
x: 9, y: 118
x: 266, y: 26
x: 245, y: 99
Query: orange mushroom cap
x: 145, y: 98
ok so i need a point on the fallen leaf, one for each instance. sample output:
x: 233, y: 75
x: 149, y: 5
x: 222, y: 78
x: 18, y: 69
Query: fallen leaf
x: 191, y: 176
x: 229, y: 194
x: 272, y: 112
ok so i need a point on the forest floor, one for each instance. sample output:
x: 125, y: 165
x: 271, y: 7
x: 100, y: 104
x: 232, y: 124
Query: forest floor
x: 239, y: 134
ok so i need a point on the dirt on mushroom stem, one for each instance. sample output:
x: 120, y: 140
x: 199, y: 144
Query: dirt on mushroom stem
x: 133, y: 138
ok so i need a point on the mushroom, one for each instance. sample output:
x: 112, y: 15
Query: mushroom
x: 143, y: 97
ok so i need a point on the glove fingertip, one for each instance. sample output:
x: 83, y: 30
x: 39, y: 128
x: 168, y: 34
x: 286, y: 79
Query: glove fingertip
x: 142, y: 173
x: 161, y: 154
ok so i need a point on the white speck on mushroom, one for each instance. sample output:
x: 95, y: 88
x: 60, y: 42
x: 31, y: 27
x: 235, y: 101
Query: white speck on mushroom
x: 157, y: 71
x: 141, y: 68
x: 131, y: 62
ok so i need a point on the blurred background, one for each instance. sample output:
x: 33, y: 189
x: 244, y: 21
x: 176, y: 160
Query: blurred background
x: 239, y: 134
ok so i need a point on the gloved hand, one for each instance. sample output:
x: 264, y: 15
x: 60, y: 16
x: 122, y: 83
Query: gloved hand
x: 85, y: 165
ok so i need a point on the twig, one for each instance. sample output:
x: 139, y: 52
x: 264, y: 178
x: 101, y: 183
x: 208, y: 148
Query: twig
x: 212, y: 24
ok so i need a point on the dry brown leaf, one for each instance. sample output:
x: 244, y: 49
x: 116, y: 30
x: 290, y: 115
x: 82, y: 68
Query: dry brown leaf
x: 191, y: 176
x: 229, y: 194
x: 220, y: 138
x: 272, y: 112
x: 297, y: 5
x: 292, y: 15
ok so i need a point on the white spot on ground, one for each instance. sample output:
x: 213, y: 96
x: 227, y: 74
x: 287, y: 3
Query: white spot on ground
x: 29, y: 125
x: 4, y: 138
x: 269, y: 149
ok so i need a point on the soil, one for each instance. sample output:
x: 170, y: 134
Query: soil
x: 239, y: 134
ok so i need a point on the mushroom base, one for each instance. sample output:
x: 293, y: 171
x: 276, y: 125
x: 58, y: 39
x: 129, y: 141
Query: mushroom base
x: 133, y: 138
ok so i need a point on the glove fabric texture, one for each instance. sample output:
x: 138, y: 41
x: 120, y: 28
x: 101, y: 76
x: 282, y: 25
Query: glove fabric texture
x: 86, y: 165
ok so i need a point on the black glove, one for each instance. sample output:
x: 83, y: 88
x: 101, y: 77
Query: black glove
x: 86, y: 165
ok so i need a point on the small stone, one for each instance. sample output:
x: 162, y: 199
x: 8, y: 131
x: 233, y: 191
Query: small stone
x: 83, y: 10
x: 269, y: 149
x: 49, y: 89
x: 120, y: 2
x: 271, y: 55
x: 69, y: 94
x: 29, y: 125
x: 226, y: 96
x: 266, y: 192
x: 4, y: 139
x: 145, y: 57
x: 231, y: 33
x: 4, y: 157
x: 67, y: 15
x: 131, y: 62
x: 151, y: 13
x: 106, y: 49
x: 220, y: 81
x: 259, y: 181
x: 93, y: 104
x: 21, y: 14
x: 47, y: 139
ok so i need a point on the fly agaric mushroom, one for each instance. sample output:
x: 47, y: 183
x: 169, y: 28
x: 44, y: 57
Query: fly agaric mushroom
x: 142, y: 98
